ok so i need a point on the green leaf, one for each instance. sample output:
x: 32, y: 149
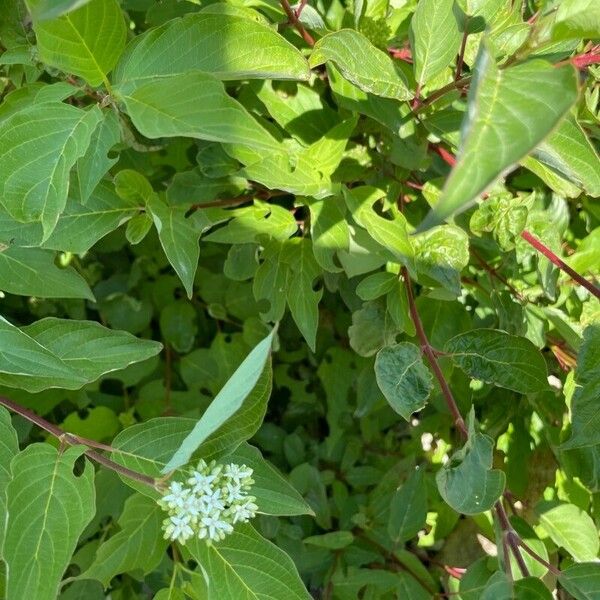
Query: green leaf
x: 138, y: 546
x: 231, y: 567
x: 50, y: 9
x: 568, y: 152
x: 274, y: 495
x: 225, y: 45
x: 468, y: 483
x: 504, y: 360
x: 361, y: 63
x: 572, y: 529
x: 408, y: 508
x: 9, y: 447
x: 328, y: 230
x: 48, y: 508
x: 577, y: 19
x: 403, y: 378
x: 582, y: 580
x: 194, y: 105
x: 372, y: 328
x: 435, y: 38
x: 585, y: 412
x: 86, y: 42
x: 510, y: 111
x: 95, y: 163
x: 441, y: 253
x: 65, y: 353
x: 38, y: 147
x: 391, y: 234
x: 302, y: 299
x: 531, y: 588
x: 137, y: 228
x: 227, y: 402
x: 33, y: 272
x: 335, y: 540
x: 179, y: 238
x: 376, y: 285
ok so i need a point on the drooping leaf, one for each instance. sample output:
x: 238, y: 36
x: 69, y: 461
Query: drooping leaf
x: 408, y: 508
x: 9, y: 447
x: 435, y: 38
x: 572, y: 529
x: 231, y: 568
x: 585, y: 412
x: 510, y: 111
x: 329, y: 231
x: 403, y: 378
x: 227, y: 402
x: 139, y: 545
x: 194, y: 105
x: 32, y: 272
x: 38, y: 147
x: 179, y: 238
x: 361, y: 63
x: 95, y: 163
x: 65, y: 353
x: 468, y: 483
x: 225, y: 45
x: 48, y: 508
x: 86, y: 42
x: 302, y: 299
x: 499, y: 358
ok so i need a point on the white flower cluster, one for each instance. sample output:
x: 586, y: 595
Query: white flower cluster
x: 209, y: 503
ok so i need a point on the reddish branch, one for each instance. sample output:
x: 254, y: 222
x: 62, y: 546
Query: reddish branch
x: 293, y: 17
x: 404, y: 54
x: 530, y: 239
x: 75, y: 440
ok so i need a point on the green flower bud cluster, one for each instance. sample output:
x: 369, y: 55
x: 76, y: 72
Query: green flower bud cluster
x: 212, y: 499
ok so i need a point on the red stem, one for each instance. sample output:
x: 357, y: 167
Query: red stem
x: 555, y: 260
x: 293, y: 20
x: 431, y: 357
x: 75, y: 440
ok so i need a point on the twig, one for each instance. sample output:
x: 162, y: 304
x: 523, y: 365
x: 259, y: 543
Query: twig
x: 431, y: 357
x: 293, y: 20
x: 74, y: 440
x: 563, y: 266
x: 455, y: 85
x: 539, y: 559
x: 511, y: 536
x: 461, y: 54
x: 300, y: 8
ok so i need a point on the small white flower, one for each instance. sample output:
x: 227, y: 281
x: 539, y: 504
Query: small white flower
x: 201, y: 484
x: 243, y: 512
x: 178, y: 528
x: 238, y: 474
x: 177, y: 498
x: 214, y: 528
x: 213, y: 501
x: 233, y: 492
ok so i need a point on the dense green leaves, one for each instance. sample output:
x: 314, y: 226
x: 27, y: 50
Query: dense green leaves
x: 403, y: 378
x: 510, y: 112
x: 48, y: 507
x: 86, y: 42
x: 499, y: 358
